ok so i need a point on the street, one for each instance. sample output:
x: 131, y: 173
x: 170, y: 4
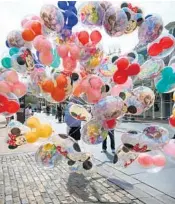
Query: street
x: 19, y: 171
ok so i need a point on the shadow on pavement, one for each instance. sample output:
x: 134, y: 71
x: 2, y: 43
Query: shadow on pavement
x: 122, y: 184
x: 77, y: 185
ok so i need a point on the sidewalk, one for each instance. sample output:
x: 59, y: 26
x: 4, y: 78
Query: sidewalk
x: 22, y: 182
x: 130, y: 185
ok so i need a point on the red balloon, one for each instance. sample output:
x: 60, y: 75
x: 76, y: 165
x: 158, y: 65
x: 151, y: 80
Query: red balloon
x: 155, y: 49
x: 120, y: 77
x: 13, y: 107
x: 172, y: 121
x: 110, y: 124
x: 122, y: 63
x: 95, y: 36
x: 133, y: 69
x: 83, y: 37
x: 166, y: 42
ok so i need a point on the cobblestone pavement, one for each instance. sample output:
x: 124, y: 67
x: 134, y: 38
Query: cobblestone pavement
x: 22, y: 181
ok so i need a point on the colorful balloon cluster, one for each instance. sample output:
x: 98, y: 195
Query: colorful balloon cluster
x: 140, y: 145
x: 59, y: 61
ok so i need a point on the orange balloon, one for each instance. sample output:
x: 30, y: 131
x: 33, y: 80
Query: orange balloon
x: 36, y: 27
x: 58, y: 94
x: 47, y: 86
x: 28, y: 35
x: 77, y: 90
x: 61, y: 81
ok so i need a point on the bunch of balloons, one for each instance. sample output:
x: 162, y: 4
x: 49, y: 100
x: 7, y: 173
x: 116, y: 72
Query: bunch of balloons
x: 60, y: 61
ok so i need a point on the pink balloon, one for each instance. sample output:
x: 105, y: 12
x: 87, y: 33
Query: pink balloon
x: 46, y: 58
x: 75, y: 52
x: 62, y: 51
x: 159, y: 160
x: 42, y: 44
x: 93, y: 96
x: 11, y: 76
x: 96, y: 82
x: 115, y: 91
x: 19, y: 89
x: 29, y: 18
x: 69, y: 64
x: 169, y: 149
x: 145, y: 160
x: 4, y: 87
x: 84, y: 84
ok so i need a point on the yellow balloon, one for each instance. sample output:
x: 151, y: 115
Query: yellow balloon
x: 173, y: 112
x: 33, y: 122
x: 174, y: 96
x: 44, y: 130
x: 31, y: 137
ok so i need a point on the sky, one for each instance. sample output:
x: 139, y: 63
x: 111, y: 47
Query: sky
x: 13, y: 11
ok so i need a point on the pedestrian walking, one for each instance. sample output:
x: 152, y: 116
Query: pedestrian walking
x: 59, y: 113
x: 104, y: 144
x: 73, y: 124
x: 48, y: 110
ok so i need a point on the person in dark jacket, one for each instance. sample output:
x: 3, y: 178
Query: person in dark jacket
x: 48, y: 110
x: 59, y: 113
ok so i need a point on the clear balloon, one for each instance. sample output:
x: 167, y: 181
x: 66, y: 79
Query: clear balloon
x: 115, y: 22
x: 151, y: 69
x: 150, y: 29
x: 155, y: 136
x: 123, y: 157
x: 90, y: 58
x: 144, y: 95
x: 79, y: 112
x: 47, y: 156
x: 109, y: 108
x: 107, y: 66
x: 93, y: 133
x: 14, y: 39
x: 52, y: 17
x: 133, y: 106
x: 91, y: 13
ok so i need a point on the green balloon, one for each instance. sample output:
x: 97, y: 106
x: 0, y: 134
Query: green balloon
x: 56, y: 59
x: 13, y: 51
x: 6, y: 62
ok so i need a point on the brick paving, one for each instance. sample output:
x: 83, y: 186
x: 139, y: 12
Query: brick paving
x: 23, y: 182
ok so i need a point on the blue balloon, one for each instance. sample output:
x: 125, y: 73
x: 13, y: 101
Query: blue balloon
x: 69, y: 12
x: 162, y: 86
x: 13, y: 51
x: 167, y: 72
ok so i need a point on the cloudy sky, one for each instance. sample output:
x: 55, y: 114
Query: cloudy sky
x: 13, y: 11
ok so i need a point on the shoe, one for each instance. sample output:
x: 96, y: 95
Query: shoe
x: 103, y: 151
x: 113, y: 151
